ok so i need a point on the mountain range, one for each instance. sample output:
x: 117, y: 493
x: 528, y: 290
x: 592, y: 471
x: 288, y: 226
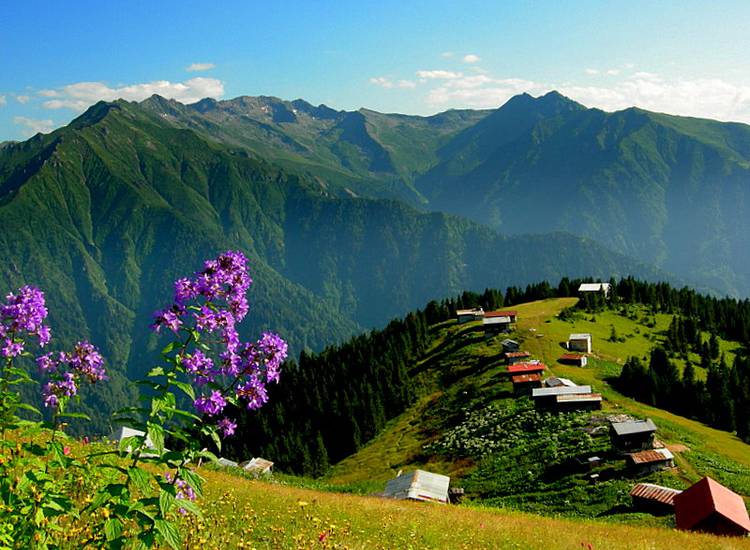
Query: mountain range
x: 352, y: 218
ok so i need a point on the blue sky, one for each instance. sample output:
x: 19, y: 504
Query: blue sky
x: 689, y: 58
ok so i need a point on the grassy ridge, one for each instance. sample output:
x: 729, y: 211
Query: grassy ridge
x: 462, y: 372
x: 255, y: 514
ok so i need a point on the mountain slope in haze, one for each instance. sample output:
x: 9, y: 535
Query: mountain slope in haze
x: 105, y: 213
x: 672, y: 191
x: 362, y: 152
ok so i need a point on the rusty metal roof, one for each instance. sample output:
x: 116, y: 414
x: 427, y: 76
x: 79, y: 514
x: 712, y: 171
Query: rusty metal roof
x: 657, y: 493
x: 517, y: 354
x: 506, y: 313
x: 579, y: 397
x: 647, y: 457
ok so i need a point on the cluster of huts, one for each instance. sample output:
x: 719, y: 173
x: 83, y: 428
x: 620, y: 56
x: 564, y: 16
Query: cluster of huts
x: 493, y: 322
x: 257, y: 466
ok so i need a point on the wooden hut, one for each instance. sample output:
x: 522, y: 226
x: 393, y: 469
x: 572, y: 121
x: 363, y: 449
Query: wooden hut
x: 650, y: 461
x: 419, y: 485
x: 577, y: 359
x: 632, y: 435
x: 654, y: 499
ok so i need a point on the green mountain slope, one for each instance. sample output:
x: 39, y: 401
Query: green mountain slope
x: 105, y: 213
x: 671, y: 191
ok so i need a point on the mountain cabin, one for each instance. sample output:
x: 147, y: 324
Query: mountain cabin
x: 595, y: 287
x: 418, y: 485
x: 580, y: 342
x: 468, y: 315
x: 632, y: 435
x: 710, y: 507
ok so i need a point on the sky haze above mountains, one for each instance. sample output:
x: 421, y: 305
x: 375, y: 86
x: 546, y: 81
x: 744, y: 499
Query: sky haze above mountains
x: 684, y: 58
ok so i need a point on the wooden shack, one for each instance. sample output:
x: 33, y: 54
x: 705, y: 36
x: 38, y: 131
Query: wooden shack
x: 536, y: 367
x: 632, y: 435
x: 258, y: 466
x: 524, y: 383
x: 653, y: 499
x: 578, y: 402
x: 495, y: 325
x: 513, y: 357
x: 652, y: 460
x: 510, y: 345
x: 546, y: 398
x: 577, y: 359
x: 580, y: 342
x: 418, y: 485
x: 595, y: 287
x: 710, y: 507
x: 468, y: 315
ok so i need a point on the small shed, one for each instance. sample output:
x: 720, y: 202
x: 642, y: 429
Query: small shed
x: 524, y: 383
x: 123, y: 432
x: 547, y: 397
x: 710, y: 507
x: 225, y: 462
x: 557, y: 381
x: 632, y: 435
x: 526, y: 368
x: 513, y: 357
x: 468, y: 315
x: 419, y: 485
x: 650, y: 461
x: 510, y: 345
x: 496, y: 325
x: 580, y: 342
x: 579, y: 402
x: 577, y: 359
x: 258, y: 466
x: 510, y: 314
x: 595, y: 287
x: 654, y: 499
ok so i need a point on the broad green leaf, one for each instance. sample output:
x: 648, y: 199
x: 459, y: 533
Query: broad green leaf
x: 169, y: 533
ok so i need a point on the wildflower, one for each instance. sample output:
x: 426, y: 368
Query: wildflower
x: 63, y: 386
x: 211, y: 405
x: 25, y: 311
x: 12, y: 348
x: 227, y: 426
x: 87, y: 361
x: 254, y: 392
x: 46, y: 363
x: 201, y: 367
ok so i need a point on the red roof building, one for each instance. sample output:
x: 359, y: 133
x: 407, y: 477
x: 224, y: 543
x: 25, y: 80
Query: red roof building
x: 508, y: 313
x: 577, y: 359
x: 710, y: 507
x: 526, y: 368
x: 527, y: 378
x: 513, y: 357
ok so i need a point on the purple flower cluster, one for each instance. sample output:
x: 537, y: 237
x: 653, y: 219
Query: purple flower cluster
x: 213, y: 302
x: 183, y: 490
x: 66, y: 368
x: 23, y: 312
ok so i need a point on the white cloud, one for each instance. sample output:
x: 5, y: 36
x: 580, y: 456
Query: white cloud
x: 23, y: 99
x: 481, y: 91
x: 2, y: 100
x: 32, y: 126
x: 198, y: 67
x: 613, y: 72
x: 698, y: 97
x: 385, y: 82
x: 471, y: 58
x: 80, y: 95
x: 591, y: 71
x: 438, y: 74
x: 447, y: 54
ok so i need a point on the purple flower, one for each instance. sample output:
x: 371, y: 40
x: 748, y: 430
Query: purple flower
x: 201, y: 367
x: 63, y: 386
x: 169, y: 318
x: 184, y: 291
x: 46, y: 363
x: 25, y: 311
x: 227, y: 426
x: 12, y: 348
x: 275, y: 350
x: 183, y: 490
x: 87, y: 361
x: 210, y: 405
x: 254, y: 392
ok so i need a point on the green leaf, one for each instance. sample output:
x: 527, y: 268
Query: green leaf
x: 169, y: 347
x: 166, y: 499
x: 185, y: 387
x: 112, y: 529
x: 140, y: 479
x: 75, y: 415
x: 168, y: 533
x: 156, y: 371
x: 194, y: 480
x: 156, y: 434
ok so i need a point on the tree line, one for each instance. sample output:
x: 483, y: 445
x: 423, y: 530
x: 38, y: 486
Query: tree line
x: 329, y: 404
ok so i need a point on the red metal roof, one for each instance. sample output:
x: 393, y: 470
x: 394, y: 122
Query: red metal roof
x: 649, y: 491
x: 524, y: 378
x: 647, y: 457
x: 521, y: 368
x: 704, y: 498
x: 571, y: 356
x: 517, y: 354
x: 501, y: 314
